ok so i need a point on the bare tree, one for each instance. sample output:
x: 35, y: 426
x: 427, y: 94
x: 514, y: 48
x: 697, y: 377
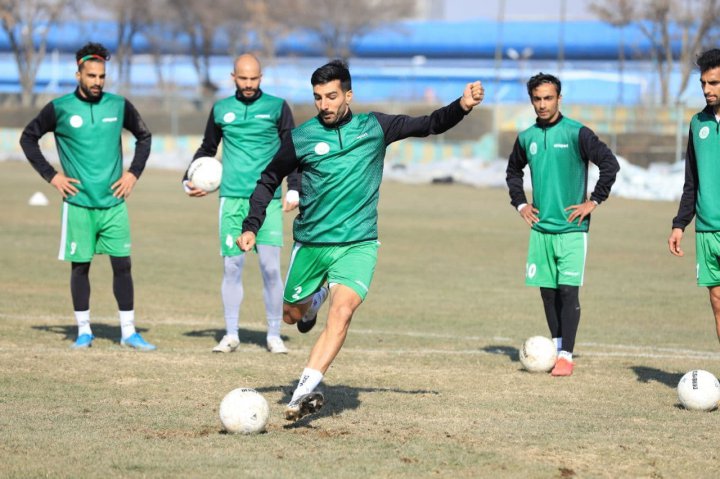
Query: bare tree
x: 27, y: 24
x: 131, y: 16
x: 342, y: 23
x: 619, y: 14
x: 669, y: 24
x: 201, y: 23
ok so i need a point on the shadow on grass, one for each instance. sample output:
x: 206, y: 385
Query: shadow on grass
x: 246, y: 335
x: 99, y: 330
x: 646, y: 374
x: 338, y: 398
x: 511, y: 352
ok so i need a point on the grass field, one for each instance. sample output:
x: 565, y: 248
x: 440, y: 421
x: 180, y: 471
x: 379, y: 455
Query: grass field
x: 427, y: 385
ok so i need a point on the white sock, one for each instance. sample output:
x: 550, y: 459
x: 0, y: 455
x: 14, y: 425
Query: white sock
x: 566, y: 355
x: 309, y: 379
x: 127, y: 323
x: 558, y: 344
x: 273, y: 326
x: 234, y: 336
x: 317, y: 300
x: 83, y: 322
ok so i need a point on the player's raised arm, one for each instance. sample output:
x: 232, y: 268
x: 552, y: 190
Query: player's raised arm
x: 398, y: 127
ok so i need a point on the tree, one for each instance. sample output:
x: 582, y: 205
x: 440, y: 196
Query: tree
x: 338, y: 25
x: 201, y: 22
x: 27, y: 24
x: 676, y: 29
x: 130, y: 16
x: 619, y: 14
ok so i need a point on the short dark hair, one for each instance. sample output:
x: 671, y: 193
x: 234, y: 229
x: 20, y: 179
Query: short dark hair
x: 335, y: 70
x: 93, y: 52
x: 541, y: 78
x: 709, y: 60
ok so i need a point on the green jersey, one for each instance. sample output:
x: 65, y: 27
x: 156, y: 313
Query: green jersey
x: 88, y: 138
x: 558, y: 155
x: 250, y: 130
x: 341, y: 168
x: 701, y: 192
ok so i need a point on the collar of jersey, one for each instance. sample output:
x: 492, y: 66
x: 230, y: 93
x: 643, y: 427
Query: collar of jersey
x: 87, y: 100
x: 548, y: 125
x: 345, y: 120
x: 239, y: 96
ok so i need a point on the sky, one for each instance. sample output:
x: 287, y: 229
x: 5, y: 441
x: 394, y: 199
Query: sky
x: 456, y: 10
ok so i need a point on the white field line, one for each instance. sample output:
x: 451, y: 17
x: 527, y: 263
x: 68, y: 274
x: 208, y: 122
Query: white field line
x: 585, y: 349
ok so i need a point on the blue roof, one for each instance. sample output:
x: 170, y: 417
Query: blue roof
x: 589, y: 40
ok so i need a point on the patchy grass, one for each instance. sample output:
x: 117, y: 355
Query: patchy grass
x: 427, y: 385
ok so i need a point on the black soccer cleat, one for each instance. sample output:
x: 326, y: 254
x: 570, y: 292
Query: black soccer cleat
x: 305, y: 326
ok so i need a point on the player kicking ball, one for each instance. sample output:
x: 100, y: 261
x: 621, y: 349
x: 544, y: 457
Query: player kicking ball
x: 340, y: 156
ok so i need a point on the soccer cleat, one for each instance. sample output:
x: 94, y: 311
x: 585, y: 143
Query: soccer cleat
x: 306, y: 404
x: 563, y: 367
x: 83, y: 341
x: 227, y: 344
x: 305, y: 325
x: 275, y: 345
x: 137, y: 342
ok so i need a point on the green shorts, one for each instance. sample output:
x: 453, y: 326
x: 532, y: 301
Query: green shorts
x: 555, y: 259
x: 351, y: 265
x: 232, y: 214
x: 707, y: 253
x: 90, y: 231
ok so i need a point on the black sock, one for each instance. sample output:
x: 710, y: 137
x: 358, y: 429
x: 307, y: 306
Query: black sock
x: 569, y: 315
x: 552, y: 305
x: 80, y: 286
x: 122, y: 282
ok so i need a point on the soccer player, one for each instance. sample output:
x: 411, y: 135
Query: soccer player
x: 340, y: 157
x: 250, y: 125
x: 701, y: 195
x: 557, y: 150
x: 87, y: 125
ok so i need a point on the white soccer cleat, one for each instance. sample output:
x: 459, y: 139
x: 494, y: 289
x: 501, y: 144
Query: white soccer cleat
x: 226, y: 345
x: 276, y: 345
x: 306, y: 404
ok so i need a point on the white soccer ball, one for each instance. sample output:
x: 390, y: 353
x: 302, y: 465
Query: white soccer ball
x: 205, y: 173
x: 699, y: 390
x: 538, y: 354
x: 244, y: 411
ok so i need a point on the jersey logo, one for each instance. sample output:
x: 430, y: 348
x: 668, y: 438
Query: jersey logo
x: 704, y: 132
x: 76, y: 121
x: 73, y: 248
x: 109, y: 120
x: 561, y: 145
x: 362, y: 136
x: 322, y: 148
x: 229, y: 117
x: 262, y: 115
x: 533, y: 148
x: 229, y: 241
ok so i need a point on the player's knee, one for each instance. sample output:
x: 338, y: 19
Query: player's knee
x: 121, y: 266
x: 570, y: 294
x: 80, y: 269
x: 291, y: 314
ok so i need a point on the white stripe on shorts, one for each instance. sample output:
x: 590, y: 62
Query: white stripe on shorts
x: 63, y: 232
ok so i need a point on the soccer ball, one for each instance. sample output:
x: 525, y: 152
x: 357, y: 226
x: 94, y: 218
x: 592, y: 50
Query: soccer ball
x: 699, y: 390
x: 244, y: 411
x: 205, y: 173
x: 538, y: 354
